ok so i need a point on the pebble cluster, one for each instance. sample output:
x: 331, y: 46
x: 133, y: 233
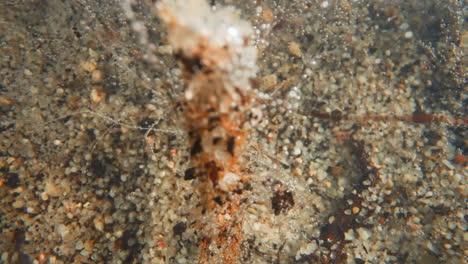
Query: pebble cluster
x: 94, y: 150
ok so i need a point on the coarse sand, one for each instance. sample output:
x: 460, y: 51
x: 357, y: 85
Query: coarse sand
x: 358, y: 156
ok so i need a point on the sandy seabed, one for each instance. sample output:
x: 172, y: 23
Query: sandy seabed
x: 359, y: 157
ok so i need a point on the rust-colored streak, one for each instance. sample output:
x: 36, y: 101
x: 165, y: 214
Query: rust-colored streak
x: 416, y: 118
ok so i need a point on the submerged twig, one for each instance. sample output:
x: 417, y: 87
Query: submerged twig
x: 218, y: 59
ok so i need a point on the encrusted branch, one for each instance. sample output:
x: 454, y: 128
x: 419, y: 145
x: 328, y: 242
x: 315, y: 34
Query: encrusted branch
x: 218, y: 60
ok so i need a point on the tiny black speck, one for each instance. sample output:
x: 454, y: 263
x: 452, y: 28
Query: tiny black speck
x: 230, y: 145
x: 179, y: 228
x: 218, y: 200
x: 282, y: 201
x: 13, y: 180
x: 216, y: 140
x: 196, y: 148
x: 359, y: 261
x: 190, y: 174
